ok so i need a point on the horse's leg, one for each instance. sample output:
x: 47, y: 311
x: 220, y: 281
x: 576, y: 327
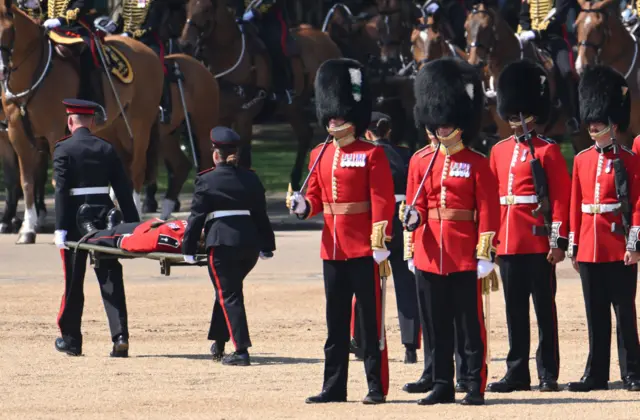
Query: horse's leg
x: 27, y: 160
x: 304, y: 134
x: 40, y: 185
x: 150, y: 205
x: 180, y: 166
x: 244, y: 127
x: 12, y: 186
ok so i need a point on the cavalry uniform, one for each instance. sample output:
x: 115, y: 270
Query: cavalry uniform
x: 596, y: 241
x: 353, y: 186
x: 525, y: 237
x: 83, y: 167
x: 552, y: 33
x: 274, y: 32
x: 229, y: 203
x: 458, y: 207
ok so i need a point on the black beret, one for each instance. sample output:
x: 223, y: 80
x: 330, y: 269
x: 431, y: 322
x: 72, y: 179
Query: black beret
x: 224, y: 136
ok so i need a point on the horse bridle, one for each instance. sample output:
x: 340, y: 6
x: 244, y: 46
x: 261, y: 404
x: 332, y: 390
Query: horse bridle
x: 475, y: 44
x: 605, y: 34
x: 202, y: 33
x: 5, y: 69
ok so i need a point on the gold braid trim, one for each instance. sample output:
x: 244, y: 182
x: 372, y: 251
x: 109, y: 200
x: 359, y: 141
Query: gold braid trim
x: 408, y: 245
x: 401, y: 210
x: 490, y: 283
x: 378, y: 237
x: 72, y: 15
x: 385, y: 268
x: 485, y: 246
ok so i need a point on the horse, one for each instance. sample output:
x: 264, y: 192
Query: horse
x: 429, y: 41
x: 243, y: 70
x: 33, y: 91
x: 603, y: 39
x: 491, y: 45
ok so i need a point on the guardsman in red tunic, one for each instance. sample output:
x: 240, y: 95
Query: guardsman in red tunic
x: 605, y: 222
x: 458, y: 206
x: 353, y: 186
x: 534, y: 183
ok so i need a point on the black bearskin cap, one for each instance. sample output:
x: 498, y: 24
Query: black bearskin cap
x: 449, y: 91
x: 604, y: 94
x: 523, y: 87
x: 342, y: 91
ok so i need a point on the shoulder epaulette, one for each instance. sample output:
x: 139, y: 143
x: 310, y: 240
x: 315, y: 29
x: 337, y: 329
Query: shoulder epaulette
x: 64, y: 138
x: 426, y: 150
x: 206, y: 171
x: 589, y: 148
x: 476, y: 152
x: 503, y: 140
x: 546, y: 139
x: 626, y: 149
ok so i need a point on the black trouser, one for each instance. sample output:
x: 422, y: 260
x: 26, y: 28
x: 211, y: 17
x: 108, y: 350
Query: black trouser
x: 524, y: 276
x: 443, y: 299
x: 91, y: 79
x: 343, y: 279
x: 152, y: 41
x: 603, y: 285
x: 274, y: 33
x: 228, y: 266
x: 109, y: 273
x: 567, y: 85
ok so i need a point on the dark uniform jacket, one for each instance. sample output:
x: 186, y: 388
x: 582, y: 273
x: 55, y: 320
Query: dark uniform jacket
x: 142, y: 21
x: 229, y: 188
x: 71, y: 11
x: 83, y: 160
x: 399, y: 163
x: 534, y: 12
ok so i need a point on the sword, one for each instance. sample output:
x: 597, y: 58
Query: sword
x: 424, y: 178
x: 385, y: 271
x: 107, y: 71
x: 187, y: 120
x: 304, y: 184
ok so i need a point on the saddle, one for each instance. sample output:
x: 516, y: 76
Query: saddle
x: 72, y: 44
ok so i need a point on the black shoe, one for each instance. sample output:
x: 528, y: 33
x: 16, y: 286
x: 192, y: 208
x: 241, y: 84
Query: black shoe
x: 357, y: 351
x: 586, y: 385
x: 85, y: 219
x: 217, y: 351
x: 474, y: 397
x: 114, y: 218
x: 236, y: 359
x: 420, y: 386
x: 505, y: 385
x: 440, y: 395
x: 64, y: 346
x: 120, y: 347
x: 324, y: 397
x: 462, y: 387
x: 549, y: 386
x: 631, y: 383
x: 410, y: 357
x: 374, y: 397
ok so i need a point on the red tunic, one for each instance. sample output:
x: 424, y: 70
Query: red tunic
x: 511, y: 167
x: 356, y: 173
x: 164, y: 238
x: 594, y: 184
x: 636, y: 145
x: 462, y: 180
x: 415, y: 237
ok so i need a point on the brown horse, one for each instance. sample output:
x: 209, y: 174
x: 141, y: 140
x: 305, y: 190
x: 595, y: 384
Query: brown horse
x: 603, y: 39
x: 238, y: 60
x: 429, y: 42
x: 34, y: 90
x: 491, y: 45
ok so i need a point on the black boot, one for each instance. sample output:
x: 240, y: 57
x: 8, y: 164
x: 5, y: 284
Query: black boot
x: 587, y: 384
x: 461, y: 386
x: 420, y: 386
x: 85, y: 220
x: 114, y: 218
x: 91, y: 83
x: 217, y: 350
x: 410, y: 356
x: 165, y: 102
x: 70, y: 346
x: 120, y: 347
x: 324, y: 397
x: 441, y: 394
x: 237, y: 358
x: 374, y: 397
x: 505, y: 385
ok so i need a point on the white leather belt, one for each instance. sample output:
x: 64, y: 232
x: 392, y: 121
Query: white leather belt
x: 509, y: 200
x: 400, y: 197
x: 89, y: 191
x: 226, y: 213
x: 600, y: 208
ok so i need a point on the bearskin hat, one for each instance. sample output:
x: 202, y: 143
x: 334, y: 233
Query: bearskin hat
x: 523, y: 87
x: 604, y: 95
x: 449, y: 91
x: 342, y: 91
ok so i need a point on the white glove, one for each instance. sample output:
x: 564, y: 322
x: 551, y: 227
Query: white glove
x: 59, y: 237
x: 484, y: 268
x: 126, y: 35
x: 248, y: 16
x: 52, y: 23
x: 31, y: 4
x: 266, y: 255
x: 380, y: 255
x: 526, y: 36
x: 411, y: 265
x: 104, y: 24
x: 298, y: 203
x: 432, y: 8
x: 189, y: 259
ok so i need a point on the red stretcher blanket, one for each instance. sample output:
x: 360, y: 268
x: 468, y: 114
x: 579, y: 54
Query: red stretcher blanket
x: 153, y: 235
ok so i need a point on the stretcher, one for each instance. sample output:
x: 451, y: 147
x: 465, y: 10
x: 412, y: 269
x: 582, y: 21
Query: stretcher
x: 166, y: 259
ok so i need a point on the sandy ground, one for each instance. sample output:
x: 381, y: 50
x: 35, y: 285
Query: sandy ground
x: 170, y: 374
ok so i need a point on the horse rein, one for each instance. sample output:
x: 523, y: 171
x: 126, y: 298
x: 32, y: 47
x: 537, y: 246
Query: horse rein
x: 477, y: 45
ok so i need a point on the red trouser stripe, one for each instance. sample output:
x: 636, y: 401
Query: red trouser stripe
x: 419, y: 342
x: 565, y: 37
x: 283, y: 32
x: 483, y: 337
x: 216, y: 279
x: 384, y: 356
x: 353, y: 319
x: 64, y: 294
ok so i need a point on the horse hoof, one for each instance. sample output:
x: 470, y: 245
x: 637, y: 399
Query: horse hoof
x: 150, y: 207
x: 177, y: 209
x: 16, y: 224
x: 5, y: 228
x: 26, y: 238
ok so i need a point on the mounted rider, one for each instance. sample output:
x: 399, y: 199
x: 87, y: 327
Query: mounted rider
x: 545, y: 21
x: 142, y: 20
x: 269, y: 17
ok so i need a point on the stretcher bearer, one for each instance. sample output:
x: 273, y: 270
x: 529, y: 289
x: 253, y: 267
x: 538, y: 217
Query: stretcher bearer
x: 458, y: 206
x: 605, y: 223
x: 532, y: 174
x: 83, y: 167
x: 404, y: 281
x: 353, y: 186
x: 229, y: 203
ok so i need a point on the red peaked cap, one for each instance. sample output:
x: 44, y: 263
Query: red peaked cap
x: 80, y: 107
